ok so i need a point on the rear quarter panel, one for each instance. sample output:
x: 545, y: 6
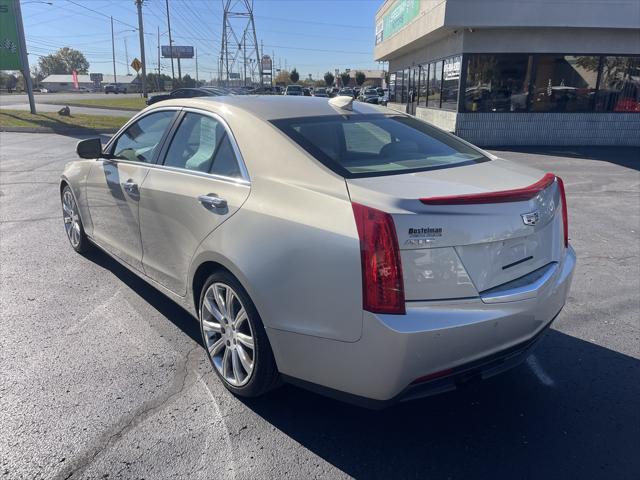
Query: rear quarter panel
x: 294, y: 244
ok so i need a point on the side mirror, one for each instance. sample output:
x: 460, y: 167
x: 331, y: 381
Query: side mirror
x: 89, y: 148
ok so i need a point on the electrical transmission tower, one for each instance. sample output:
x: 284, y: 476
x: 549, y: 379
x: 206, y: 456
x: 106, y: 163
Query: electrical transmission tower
x: 239, y: 52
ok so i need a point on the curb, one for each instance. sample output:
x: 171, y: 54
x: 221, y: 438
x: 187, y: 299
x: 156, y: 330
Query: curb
x: 100, y: 107
x: 60, y: 131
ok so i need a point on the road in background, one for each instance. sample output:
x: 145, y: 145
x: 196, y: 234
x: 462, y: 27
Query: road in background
x: 21, y: 99
x: 102, y: 375
x: 21, y: 102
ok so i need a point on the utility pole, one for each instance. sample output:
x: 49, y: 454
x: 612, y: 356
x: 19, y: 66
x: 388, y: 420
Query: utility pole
x: 173, y: 73
x: 238, y: 14
x: 24, y: 58
x: 126, y: 56
x: 197, y: 79
x: 113, y: 52
x: 244, y: 60
x: 158, y: 54
x: 142, y: 59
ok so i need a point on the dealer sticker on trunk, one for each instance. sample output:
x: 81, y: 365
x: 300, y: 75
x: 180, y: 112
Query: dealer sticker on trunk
x: 419, y: 237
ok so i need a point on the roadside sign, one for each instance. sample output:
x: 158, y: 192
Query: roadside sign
x: 136, y: 64
x: 177, y: 51
x: 267, y: 63
x: 9, y: 43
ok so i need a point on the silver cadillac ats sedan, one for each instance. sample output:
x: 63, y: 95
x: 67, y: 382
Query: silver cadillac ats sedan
x: 339, y: 246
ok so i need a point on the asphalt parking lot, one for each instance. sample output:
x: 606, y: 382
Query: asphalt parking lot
x: 103, y: 377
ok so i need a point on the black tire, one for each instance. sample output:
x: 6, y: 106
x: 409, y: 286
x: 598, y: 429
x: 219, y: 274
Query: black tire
x: 84, y: 244
x: 265, y: 374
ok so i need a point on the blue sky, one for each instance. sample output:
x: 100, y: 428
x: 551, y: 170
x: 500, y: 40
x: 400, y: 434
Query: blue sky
x: 313, y: 36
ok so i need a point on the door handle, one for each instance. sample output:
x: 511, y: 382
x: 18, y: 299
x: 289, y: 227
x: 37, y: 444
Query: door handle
x: 212, y: 201
x: 130, y: 187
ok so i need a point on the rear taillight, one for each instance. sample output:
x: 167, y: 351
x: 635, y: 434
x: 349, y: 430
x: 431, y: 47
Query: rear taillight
x: 382, y: 285
x: 565, y: 214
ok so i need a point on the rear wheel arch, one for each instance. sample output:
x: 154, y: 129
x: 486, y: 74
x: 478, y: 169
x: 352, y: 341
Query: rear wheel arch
x: 204, y: 270
x: 63, y: 184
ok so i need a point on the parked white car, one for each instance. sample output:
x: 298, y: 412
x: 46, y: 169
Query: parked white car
x: 331, y: 244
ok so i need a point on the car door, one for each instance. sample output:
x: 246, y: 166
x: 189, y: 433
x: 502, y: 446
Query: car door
x: 113, y: 185
x: 202, y: 182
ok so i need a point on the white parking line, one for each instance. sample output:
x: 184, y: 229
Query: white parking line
x: 537, y: 369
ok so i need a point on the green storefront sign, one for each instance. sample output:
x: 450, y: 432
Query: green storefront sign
x: 9, y: 44
x: 402, y: 12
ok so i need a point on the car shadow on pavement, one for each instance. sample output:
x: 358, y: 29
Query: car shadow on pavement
x: 571, y: 411
x: 624, y: 156
x: 163, y: 304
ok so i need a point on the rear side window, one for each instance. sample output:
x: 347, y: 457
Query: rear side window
x: 371, y: 145
x: 202, y: 144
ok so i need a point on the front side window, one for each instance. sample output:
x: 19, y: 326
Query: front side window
x: 619, y: 85
x: 371, y: 145
x: 202, y: 144
x: 565, y: 83
x: 140, y: 140
x: 498, y: 83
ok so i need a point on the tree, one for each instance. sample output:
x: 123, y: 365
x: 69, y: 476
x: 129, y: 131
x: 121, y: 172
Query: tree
x: 294, y: 76
x: 65, y: 60
x: 360, y: 78
x: 329, y: 78
x: 345, y: 77
x: 188, y: 82
x: 156, y: 83
x: 8, y: 81
x: 282, y: 77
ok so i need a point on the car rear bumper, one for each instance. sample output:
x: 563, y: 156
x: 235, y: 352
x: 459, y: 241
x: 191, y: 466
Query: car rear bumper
x: 432, y: 349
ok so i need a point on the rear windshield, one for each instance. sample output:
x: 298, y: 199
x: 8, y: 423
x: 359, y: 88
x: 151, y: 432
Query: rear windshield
x: 295, y: 88
x: 372, y: 145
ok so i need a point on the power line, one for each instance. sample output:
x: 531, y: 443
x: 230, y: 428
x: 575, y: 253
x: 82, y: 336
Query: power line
x: 102, y: 14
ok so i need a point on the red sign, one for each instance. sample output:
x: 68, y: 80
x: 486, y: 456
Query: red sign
x: 74, y: 77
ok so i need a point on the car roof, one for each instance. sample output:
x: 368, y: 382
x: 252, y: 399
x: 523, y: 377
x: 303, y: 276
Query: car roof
x: 271, y: 107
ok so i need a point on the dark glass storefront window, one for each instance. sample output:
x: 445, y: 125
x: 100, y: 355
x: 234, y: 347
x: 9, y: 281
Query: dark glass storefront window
x: 405, y: 85
x: 435, y: 84
x: 422, y: 90
x: 619, y: 85
x: 565, y: 83
x: 451, y: 82
x: 497, y: 83
x: 392, y: 87
x: 399, y: 81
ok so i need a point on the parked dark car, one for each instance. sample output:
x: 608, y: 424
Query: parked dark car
x: 320, y: 92
x: 295, y: 90
x: 186, y: 93
x: 347, y: 91
x: 306, y: 92
x: 369, y: 95
x: 115, y: 88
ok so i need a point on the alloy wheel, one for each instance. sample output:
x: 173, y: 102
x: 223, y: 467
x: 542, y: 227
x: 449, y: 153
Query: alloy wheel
x: 228, y: 334
x: 71, y: 218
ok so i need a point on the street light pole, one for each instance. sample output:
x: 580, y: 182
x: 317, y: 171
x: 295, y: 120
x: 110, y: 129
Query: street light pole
x: 142, y: 56
x: 173, y: 73
x: 113, y: 52
x: 197, y: 80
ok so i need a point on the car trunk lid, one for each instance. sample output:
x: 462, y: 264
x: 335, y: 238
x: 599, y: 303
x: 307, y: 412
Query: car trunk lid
x: 464, y: 238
